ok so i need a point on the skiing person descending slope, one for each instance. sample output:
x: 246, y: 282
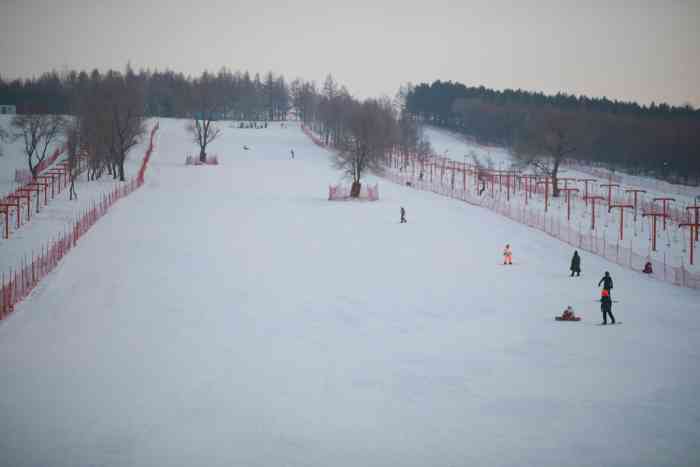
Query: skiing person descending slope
x: 575, y: 264
x: 403, y: 215
x: 507, y: 255
x: 606, y: 306
x: 292, y: 151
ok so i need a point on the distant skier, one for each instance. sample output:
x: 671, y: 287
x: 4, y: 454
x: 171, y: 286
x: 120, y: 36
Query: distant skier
x: 607, y: 282
x: 647, y: 268
x: 292, y: 151
x: 576, y: 264
x: 403, y: 215
x: 606, y: 306
x: 246, y: 148
x: 507, y: 255
x: 483, y: 188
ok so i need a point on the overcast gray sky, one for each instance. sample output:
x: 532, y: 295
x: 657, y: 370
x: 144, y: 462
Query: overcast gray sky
x: 634, y: 50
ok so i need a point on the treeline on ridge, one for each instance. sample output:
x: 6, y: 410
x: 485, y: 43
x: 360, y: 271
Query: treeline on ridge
x: 658, y: 140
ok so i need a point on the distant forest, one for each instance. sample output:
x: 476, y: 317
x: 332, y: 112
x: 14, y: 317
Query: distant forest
x: 658, y: 139
x: 166, y: 93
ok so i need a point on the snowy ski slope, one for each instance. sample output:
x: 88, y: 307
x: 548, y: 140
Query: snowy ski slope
x: 231, y: 315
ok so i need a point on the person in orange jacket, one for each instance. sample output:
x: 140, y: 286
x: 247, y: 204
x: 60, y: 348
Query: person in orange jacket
x: 507, y: 255
x: 606, y: 306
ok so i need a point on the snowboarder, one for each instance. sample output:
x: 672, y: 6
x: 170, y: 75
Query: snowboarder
x: 647, y: 268
x: 606, y: 306
x: 575, y: 264
x: 568, y: 315
x: 292, y: 151
x: 483, y: 188
x: 246, y: 148
x: 403, y: 215
x: 507, y: 255
x: 607, y: 282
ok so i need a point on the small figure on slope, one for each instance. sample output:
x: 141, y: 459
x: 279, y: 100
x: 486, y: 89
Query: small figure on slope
x: 606, y: 306
x: 507, y: 255
x: 568, y: 315
x: 292, y: 151
x: 647, y: 268
x: 403, y: 215
x: 607, y: 282
x: 575, y: 264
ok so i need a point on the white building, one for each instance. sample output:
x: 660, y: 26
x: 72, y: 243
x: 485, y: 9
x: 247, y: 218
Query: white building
x: 7, y: 109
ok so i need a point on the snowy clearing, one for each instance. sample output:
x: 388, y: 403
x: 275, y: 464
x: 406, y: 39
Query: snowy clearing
x: 231, y: 315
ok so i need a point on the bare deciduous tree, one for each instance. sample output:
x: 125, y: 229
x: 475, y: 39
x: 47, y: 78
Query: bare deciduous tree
x: 73, y: 150
x: 206, y: 105
x: 372, y: 133
x: 551, y: 136
x: 125, y: 104
x: 38, y: 133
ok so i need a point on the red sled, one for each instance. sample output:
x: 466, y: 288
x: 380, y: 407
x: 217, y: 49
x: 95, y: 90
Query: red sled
x: 559, y: 318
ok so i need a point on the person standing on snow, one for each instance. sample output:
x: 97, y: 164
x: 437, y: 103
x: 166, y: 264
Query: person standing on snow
x: 507, y: 255
x: 606, y: 306
x: 403, y: 215
x: 576, y: 264
x: 607, y: 282
x: 292, y: 151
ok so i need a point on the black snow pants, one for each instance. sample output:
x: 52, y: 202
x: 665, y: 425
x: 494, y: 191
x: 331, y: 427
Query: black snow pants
x: 606, y: 308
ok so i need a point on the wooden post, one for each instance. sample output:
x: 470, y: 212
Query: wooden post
x: 593, y: 199
x: 693, y: 229
x: 664, y: 202
x: 653, y: 215
x: 547, y: 181
x: 586, y: 181
x: 610, y: 187
x: 636, y: 191
x: 568, y: 200
x: 622, y: 216
x: 697, y: 217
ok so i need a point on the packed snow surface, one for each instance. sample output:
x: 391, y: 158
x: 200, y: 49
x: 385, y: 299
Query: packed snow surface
x: 231, y: 316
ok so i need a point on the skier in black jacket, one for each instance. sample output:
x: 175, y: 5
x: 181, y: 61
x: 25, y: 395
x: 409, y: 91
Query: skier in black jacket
x: 606, y: 281
x: 576, y: 264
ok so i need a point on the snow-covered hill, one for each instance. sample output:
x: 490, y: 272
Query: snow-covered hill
x: 231, y: 315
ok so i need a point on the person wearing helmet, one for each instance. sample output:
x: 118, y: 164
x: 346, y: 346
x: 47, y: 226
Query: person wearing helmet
x: 606, y: 306
x: 507, y: 255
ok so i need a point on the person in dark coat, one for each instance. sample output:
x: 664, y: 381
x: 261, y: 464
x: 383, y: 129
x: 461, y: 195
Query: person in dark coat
x: 403, y: 215
x: 606, y: 306
x: 607, y: 282
x: 576, y: 264
x: 647, y: 268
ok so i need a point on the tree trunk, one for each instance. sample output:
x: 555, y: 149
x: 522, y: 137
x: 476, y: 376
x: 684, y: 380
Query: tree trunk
x: 202, y: 155
x: 32, y: 169
x: 121, y: 170
x: 555, y: 182
x: 355, y: 189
